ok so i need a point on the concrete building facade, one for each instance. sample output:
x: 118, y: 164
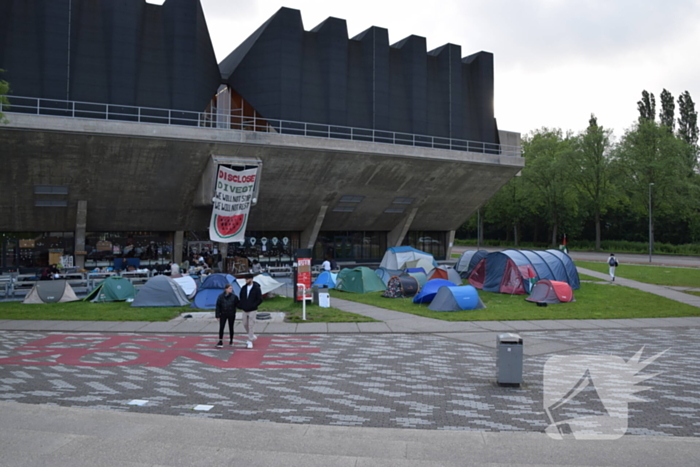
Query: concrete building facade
x: 360, y: 145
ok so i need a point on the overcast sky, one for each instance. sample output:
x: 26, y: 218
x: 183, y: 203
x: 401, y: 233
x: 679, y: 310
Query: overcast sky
x: 556, y: 61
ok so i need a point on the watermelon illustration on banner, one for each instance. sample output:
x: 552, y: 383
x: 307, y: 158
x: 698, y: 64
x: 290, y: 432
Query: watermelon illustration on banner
x: 232, y: 199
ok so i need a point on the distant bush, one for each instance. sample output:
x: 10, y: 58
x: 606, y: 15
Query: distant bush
x: 616, y: 246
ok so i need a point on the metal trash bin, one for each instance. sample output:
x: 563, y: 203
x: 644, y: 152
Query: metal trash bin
x: 509, y: 359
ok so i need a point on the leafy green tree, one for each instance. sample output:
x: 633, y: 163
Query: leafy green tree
x: 648, y: 154
x: 668, y: 110
x: 510, y: 207
x: 647, y: 107
x: 4, y: 90
x: 549, y: 172
x: 593, y: 172
x: 688, y: 126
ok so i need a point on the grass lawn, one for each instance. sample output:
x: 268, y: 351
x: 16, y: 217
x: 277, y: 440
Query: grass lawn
x: 314, y: 313
x: 593, y: 301
x: 86, y: 311
x: 122, y: 311
x: 659, y: 275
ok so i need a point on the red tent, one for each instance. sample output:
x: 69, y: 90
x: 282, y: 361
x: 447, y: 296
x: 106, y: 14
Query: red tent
x: 547, y: 291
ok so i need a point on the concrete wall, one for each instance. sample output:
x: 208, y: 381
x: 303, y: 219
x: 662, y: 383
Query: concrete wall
x: 146, y: 176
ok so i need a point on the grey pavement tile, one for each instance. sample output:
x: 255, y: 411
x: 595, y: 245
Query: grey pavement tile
x: 531, y: 349
x: 157, y: 327
x: 662, y: 322
x: 68, y: 325
x: 193, y: 325
x: 312, y: 327
x: 373, y: 327
x: 102, y: 326
x: 594, y: 324
x: 525, y: 325
x: 550, y: 324
x: 129, y: 326
x: 280, y: 328
x: 343, y: 327
x: 463, y: 326
x: 495, y: 326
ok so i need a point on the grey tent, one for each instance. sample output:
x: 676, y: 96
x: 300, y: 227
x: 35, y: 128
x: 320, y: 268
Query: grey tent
x: 57, y: 291
x: 464, y: 297
x: 160, y: 291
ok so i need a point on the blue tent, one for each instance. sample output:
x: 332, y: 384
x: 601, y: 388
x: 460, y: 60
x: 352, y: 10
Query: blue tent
x: 325, y: 279
x: 430, y: 289
x: 386, y: 274
x: 569, y: 267
x: 211, y: 288
x: 218, y: 281
x: 512, y: 271
x: 464, y: 297
x: 409, y: 270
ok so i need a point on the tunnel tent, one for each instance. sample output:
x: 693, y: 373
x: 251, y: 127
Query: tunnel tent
x: 445, y: 272
x: 211, y: 288
x: 359, y: 280
x: 386, y: 274
x: 325, y: 279
x: 55, y: 291
x: 112, y: 289
x: 468, y: 260
x: 547, y: 291
x: 569, y: 267
x: 396, y: 257
x: 464, y: 297
x: 401, y: 287
x: 511, y: 271
x: 430, y: 289
x: 160, y: 291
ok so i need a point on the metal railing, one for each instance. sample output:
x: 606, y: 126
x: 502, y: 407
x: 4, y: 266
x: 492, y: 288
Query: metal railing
x: 233, y: 120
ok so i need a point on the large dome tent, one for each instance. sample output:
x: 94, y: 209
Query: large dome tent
x: 468, y: 260
x: 510, y: 271
x: 160, y: 291
x: 396, y: 257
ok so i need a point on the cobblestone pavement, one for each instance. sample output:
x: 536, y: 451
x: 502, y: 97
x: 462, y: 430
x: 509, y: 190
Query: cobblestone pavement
x: 400, y: 381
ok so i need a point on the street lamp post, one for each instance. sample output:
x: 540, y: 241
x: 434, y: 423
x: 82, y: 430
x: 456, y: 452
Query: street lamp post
x: 651, y: 232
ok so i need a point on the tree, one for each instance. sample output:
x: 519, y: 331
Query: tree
x: 548, y: 170
x: 509, y: 207
x: 4, y: 91
x: 593, y: 171
x: 648, y: 154
x: 668, y: 108
x: 688, y: 126
x: 647, y: 107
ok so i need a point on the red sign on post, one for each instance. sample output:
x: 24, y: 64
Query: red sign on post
x: 303, y: 277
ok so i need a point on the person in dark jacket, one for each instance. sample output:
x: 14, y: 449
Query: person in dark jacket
x: 226, y: 311
x: 251, y: 298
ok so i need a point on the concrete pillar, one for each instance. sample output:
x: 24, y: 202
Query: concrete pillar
x: 223, y: 251
x: 177, y: 246
x: 450, y: 244
x: 308, y: 236
x: 80, y: 225
x: 396, y: 236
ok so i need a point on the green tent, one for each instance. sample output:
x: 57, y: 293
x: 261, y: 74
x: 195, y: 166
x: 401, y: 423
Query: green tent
x: 112, y: 289
x: 359, y: 280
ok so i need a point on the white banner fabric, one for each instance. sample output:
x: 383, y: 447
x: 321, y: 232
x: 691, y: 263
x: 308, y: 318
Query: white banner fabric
x: 234, y: 193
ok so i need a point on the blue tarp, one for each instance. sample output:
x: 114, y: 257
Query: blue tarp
x: 430, y: 289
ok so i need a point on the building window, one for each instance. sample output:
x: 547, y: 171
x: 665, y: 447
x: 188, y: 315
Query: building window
x: 50, y: 190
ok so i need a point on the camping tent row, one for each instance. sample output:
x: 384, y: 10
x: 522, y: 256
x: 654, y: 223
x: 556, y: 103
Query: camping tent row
x: 214, y: 285
x: 516, y: 271
x: 397, y: 257
x: 468, y: 261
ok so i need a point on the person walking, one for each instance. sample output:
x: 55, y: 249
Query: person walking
x: 612, y: 263
x: 226, y: 312
x: 250, y: 300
